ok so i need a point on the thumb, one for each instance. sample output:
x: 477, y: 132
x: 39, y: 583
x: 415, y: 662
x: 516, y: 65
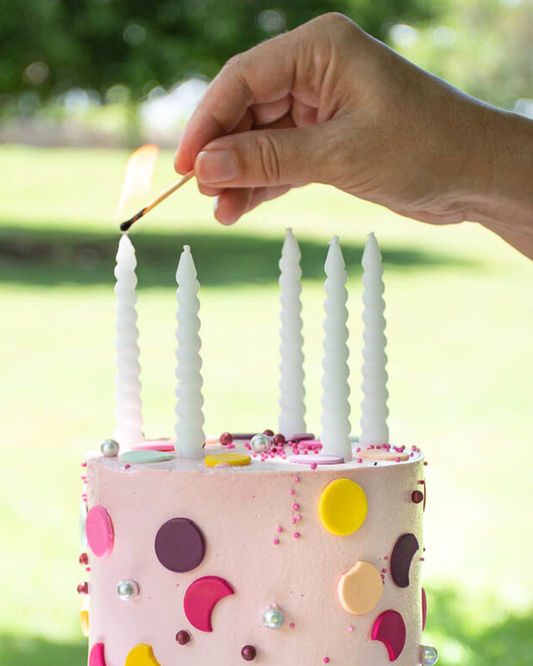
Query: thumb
x: 263, y: 158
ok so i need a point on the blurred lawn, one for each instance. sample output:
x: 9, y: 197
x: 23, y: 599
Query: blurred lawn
x: 459, y: 310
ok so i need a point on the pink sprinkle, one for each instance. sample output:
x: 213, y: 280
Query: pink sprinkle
x: 297, y: 535
x: 296, y: 479
x: 292, y: 625
x: 314, y: 465
x: 84, y: 464
x: 358, y: 449
x: 378, y: 446
x: 127, y: 466
x: 295, y: 507
x: 326, y: 660
x: 350, y: 628
x: 279, y: 528
x: 84, y: 497
x: 83, y: 478
x: 359, y: 460
x: 305, y: 452
x: 386, y: 557
x: 87, y: 568
x: 397, y: 459
x: 254, y: 455
x: 291, y: 491
x: 293, y: 520
x: 298, y: 517
x: 276, y: 542
x: 422, y: 559
x: 384, y: 571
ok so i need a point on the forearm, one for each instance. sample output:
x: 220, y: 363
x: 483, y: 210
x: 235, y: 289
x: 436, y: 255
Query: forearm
x: 504, y: 203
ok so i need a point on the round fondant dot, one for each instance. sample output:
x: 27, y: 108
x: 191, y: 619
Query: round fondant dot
x: 402, y: 557
x: 141, y: 655
x: 342, y: 507
x: 99, y: 530
x: 96, y: 657
x: 384, y: 454
x: 163, y: 445
x: 232, y: 459
x: 180, y: 545
x: 144, y: 457
x: 320, y: 459
x: 360, y: 589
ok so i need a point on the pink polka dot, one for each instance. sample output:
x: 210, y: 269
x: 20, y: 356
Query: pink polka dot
x: 99, y: 530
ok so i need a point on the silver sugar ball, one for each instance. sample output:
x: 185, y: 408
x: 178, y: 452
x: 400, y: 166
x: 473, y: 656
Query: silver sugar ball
x: 428, y: 655
x: 127, y: 590
x: 260, y: 443
x: 110, y: 448
x: 273, y: 617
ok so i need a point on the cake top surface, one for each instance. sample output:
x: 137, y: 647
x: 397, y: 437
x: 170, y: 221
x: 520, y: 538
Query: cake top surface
x: 159, y: 455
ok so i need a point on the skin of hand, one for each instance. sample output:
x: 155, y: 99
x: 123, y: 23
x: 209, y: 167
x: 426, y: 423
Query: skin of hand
x: 327, y: 103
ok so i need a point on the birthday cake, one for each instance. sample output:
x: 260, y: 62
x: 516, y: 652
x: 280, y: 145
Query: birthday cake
x: 278, y: 548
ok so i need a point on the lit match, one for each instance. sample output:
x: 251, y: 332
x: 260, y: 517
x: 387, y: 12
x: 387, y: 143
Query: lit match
x: 127, y: 225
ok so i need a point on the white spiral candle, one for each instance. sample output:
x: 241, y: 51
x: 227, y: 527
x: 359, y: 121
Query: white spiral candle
x: 128, y: 403
x: 374, y: 429
x: 291, y: 384
x: 190, y: 437
x: 335, y: 418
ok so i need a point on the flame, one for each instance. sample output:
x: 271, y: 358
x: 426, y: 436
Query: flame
x: 138, y: 175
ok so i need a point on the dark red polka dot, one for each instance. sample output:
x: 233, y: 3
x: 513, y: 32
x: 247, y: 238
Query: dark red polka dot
x: 180, y: 545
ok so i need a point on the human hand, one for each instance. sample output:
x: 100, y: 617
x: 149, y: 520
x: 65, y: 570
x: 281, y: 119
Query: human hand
x: 327, y: 103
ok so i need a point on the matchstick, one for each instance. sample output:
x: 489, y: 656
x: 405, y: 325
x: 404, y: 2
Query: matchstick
x: 127, y: 225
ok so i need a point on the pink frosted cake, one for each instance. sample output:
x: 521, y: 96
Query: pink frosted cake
x: 278, y: 549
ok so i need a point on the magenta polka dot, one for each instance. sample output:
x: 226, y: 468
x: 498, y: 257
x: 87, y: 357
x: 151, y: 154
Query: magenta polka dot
x: 99, y: 530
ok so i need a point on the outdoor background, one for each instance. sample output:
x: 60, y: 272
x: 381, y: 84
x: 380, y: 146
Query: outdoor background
x: 84, y: 82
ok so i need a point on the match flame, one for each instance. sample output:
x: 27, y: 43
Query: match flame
x: 138, y: 176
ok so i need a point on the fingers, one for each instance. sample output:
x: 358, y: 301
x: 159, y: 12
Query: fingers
x: 263, y: 75
x: 231, y: 204
x: 263, y: 158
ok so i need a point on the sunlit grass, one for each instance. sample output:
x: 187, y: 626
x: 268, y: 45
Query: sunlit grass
x: 459, y: 310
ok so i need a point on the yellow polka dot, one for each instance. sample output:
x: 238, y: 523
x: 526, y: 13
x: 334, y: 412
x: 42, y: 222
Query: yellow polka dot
x: 342, y: 507
x: 360, y: 589
x: 84, y: 618
x: 141, y: 655
x: 233, y: 459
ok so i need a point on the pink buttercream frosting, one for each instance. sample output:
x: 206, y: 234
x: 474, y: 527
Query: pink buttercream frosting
x: 244, y: 514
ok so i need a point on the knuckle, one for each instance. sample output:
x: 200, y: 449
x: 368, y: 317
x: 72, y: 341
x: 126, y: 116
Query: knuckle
x: 269, y: 158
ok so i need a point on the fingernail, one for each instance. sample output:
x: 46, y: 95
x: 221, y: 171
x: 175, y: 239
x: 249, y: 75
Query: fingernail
x: 216, y: 166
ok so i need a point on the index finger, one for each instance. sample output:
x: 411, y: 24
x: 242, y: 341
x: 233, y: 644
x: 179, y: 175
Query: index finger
x: 265, y: 73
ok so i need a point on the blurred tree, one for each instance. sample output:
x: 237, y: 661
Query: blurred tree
x: 127, y: 47
x: 482, y: 46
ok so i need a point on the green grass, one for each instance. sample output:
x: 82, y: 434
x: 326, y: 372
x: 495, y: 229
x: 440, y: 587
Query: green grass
x: 459, y: 310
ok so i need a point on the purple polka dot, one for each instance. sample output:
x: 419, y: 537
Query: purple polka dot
x: 180, y: 545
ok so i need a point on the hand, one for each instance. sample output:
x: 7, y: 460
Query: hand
x: 327, y: 103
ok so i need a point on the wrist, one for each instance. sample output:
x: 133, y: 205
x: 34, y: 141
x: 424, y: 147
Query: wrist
x: 501, y: 197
